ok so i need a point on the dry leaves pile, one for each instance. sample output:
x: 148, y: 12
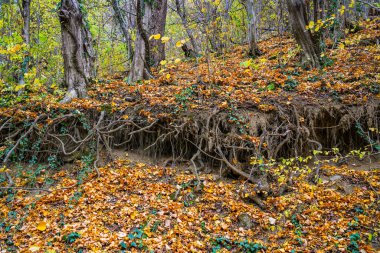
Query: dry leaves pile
x: 142, y: 208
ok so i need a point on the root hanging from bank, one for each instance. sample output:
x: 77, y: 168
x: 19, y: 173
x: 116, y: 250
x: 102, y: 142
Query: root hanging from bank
x: 217, y: 138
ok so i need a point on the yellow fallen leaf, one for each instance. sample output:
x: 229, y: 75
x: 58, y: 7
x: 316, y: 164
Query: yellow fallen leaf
x: 3, y: 169
x: 179, y: 44
x: 148, y: 233
x: 155, y: 36
x: 133, y: 215
x: 41, y: 226
x: 224, y: 226
x: 34, y: 248
x: 165, y: 39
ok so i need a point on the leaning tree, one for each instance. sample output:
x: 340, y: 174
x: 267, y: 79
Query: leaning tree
x: 77, y: 51
x: 298, y: 20
x: 124, y: 24
x: 150, y: 19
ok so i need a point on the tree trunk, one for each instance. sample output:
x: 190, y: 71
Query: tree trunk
x: 124, y: 26
x: 252, y: 28
x: 150, y: 19
x: 25, y: 32
x: 298, y: 20
x: 180, y: 6
x: 316, y: 10
x: 157, y: 26
x: 77, y: 51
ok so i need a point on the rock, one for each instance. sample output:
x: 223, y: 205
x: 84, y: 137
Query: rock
x: 347, y: 188
x: 272, y: 221
x: 335, y: 178
x: 245, y: 221
x: 167, y: 223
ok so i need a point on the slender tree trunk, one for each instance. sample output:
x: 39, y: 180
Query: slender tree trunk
x: 26, y: 20
x: 150, y: 19
x: 298, y: 20
x: 180, y: 6
x: 316, y: 10
x: 141, y: 57
x: 252, y: 28
x: 124, y: 26
x: 25, y: 13
x: 77, y: 51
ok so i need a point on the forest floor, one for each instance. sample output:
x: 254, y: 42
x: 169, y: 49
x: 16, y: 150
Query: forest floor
x: 138, y: 207
x: 135, y: 205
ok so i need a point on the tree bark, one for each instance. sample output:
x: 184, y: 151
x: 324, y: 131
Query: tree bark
x: 157, y: 26
x: 150, y: 19
x: 252, y: 28
x: 298, y: 20
x: 124, y: 26
x: 77, y: 51
x: 25, y: 32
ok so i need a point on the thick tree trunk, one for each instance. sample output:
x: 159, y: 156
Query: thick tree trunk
x: 124, y: 26
x: 77, y: 51
x: 25, y: 13
x: 157, y: 24
x: 298, y: 20
x: 252, y: 28
x: 150, y: 19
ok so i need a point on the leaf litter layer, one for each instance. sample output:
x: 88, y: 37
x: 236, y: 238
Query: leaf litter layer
x: 145, y: 208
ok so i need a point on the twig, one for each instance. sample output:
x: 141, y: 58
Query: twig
x: 5, y: 123
x: 144, y: 128
x: 373, y: 6
x: 213, y: 157
x: 25, y: 189
x: 196, y: 169
x: 238, y: 171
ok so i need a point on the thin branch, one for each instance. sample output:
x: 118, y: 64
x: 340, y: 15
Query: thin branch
x: 370, y: 4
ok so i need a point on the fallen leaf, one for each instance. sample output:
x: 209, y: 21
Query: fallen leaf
x: 41, y: 226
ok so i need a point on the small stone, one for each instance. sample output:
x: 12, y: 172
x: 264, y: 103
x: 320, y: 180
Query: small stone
x: 347, y: 188
x: 167, y: 223
x: 245, y: 221
x: 272, y: 221
x: 335, y: 178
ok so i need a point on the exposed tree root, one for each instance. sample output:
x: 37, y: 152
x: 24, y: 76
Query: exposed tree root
x: 217, y: 138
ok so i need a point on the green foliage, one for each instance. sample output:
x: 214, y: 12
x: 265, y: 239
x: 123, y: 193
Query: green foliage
x: 290, y: 84
x: 53, y: 162
x: 184, y: 96
x: 353, y: 247
x: 71, y: 238
x: 362, y: 134
x: 42, y: 54
x: 136, y: 237
x: 242, y: 246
